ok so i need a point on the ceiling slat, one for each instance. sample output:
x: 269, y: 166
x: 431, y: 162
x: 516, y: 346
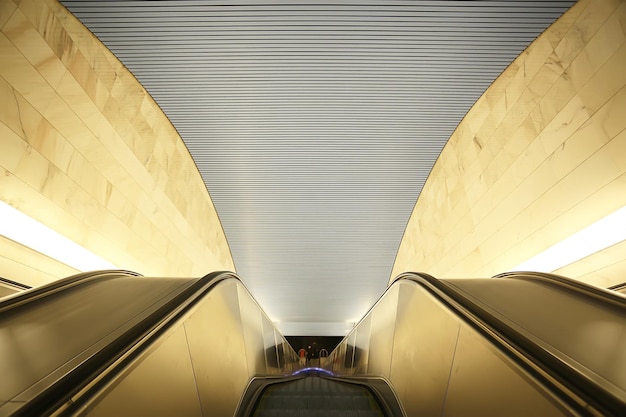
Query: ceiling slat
x: 315, y: 124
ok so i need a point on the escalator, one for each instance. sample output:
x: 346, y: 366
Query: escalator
x: 316, y: 392
x: 518, y: 344
x: 316, y: 396
x: 112, y: 343
x: 513, y: 345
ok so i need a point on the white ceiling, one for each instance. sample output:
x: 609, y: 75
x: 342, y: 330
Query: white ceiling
x: 315, y: 124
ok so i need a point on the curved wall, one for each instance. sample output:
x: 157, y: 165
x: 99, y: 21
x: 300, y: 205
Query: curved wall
x: 86, y: 151
x: 541, y: 155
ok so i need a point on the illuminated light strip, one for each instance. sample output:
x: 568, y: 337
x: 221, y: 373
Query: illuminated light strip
x: 27, y: 231
x: 606, y: 232
x: 316, y: 328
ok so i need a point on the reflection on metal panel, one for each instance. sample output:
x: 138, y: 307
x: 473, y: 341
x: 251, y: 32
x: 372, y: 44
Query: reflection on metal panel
x: 439, y: 365
x: 229, y: 340
x: 215, y: 336
x: 593, y: 334
x: 39, y: 342
x: 252, y: 322
x: 423, y: 350
x: 161, y: 383
x: 485, y: 383
x: 134, y: 346
x: 348, y: 363
x: 269, y: 343
x: 361, y: 346
x: 383, y: 326
x: 337, y: 358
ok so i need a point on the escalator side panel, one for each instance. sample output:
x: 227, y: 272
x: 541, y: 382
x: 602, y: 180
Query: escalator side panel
x: 442, y: 366
x: 39, y: 342
x: 202, y: 358
x: 252, y: 321
x: 423, y: 350
x: 338, y: 359
x: 269, y: 342
x: 160, y: 384
x: 483, y: 382
x: 350, y: 347
x: 361, y: 346
x: 383, y: 325
x: 591, y: 333
x: 206, y: 366
x: 218, y: 352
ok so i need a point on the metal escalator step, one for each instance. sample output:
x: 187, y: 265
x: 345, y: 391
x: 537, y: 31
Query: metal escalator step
x: 311, y: 413
x: 362, y: 403
x: 316, y: 397
x: 320, y: 402
x: 287, y: 412
x: 315, y: 402
x: 370, y: 413
x: 283, y: 401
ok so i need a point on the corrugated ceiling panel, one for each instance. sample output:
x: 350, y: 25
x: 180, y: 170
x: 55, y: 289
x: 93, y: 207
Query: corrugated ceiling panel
x: 315, y: 123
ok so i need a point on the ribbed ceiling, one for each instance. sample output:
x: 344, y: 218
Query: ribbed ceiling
x: 316, y: 123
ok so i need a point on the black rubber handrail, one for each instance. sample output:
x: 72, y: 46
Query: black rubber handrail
x: 604, y: 295
x: 58, y: 397
x: 559, y: 377
x: 15, y: 300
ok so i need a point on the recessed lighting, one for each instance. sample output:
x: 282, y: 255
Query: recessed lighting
x: 27, y: 231
x: 606, y: 232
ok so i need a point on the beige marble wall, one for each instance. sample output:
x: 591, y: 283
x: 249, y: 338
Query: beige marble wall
x: 86, y: 151
x: 540, y: 155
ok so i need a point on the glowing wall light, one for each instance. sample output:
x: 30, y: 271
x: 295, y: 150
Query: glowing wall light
x: 598, y: 236
x: 27, y: 231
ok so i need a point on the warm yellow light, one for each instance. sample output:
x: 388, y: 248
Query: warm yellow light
x: 598, y: 236
x: 27, y: 231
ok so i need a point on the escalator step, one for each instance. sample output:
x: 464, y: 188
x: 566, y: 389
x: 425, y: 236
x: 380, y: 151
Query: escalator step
x: 314, y: 402
x: 316, y: 397
x: 362, y: 403
x: 329, y: 403
x: 279, y: 402
x: 317, y: 413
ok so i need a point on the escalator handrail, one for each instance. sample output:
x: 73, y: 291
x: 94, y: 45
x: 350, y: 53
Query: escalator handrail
x: 29, y: 295
x: 61, y: 396
x: 604, y: 295
x: 564, y: 379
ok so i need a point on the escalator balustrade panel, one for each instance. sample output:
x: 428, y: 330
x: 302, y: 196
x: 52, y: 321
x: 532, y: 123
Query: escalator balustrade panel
x: 111, y: 343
